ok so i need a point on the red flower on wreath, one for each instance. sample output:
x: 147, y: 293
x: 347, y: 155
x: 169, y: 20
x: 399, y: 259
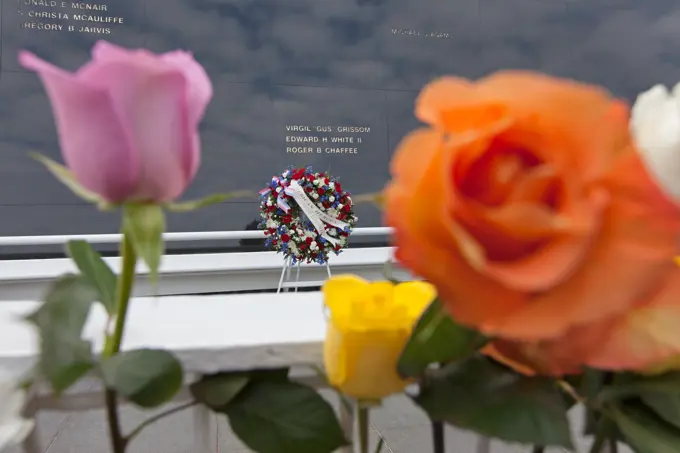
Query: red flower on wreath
x: 320, y: 191
x: 285, y: 237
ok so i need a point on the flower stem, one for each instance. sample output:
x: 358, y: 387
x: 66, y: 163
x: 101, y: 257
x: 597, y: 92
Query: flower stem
x: 438, y: 438
x: 603, y: 436
x: 123, y: 292
x: 113, y: 342
x: 362, y: 420
x: 118, y: 442
x: 157, y: 417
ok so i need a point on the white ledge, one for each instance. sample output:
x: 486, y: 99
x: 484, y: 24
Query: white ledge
x: 198, y: 273
x: 209, y: 333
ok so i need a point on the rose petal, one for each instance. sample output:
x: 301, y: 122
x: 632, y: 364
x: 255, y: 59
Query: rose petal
x: 635, y: 247
x: 99, y: 155
x: 646, y: 335
x: 564, y: 127
x: 151, y: 101
x: 339, y: 292
x: 200, y: 87
x: 403, y: 166
x: 416, y: 296
x: 199, y: 94
x: 104, y: 51
x: 427, y: 243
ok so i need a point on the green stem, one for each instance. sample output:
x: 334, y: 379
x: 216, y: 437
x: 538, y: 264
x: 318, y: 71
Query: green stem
x: 123, y: 291
x: 118, y: 442
x: 613, y: 445
x: 362, y: 420
x: 113, y: 342
x: 602, y: 435
x: 598, y: 444
x: 157, y: 417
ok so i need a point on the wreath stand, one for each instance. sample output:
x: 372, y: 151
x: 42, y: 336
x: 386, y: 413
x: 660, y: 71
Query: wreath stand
x: 286, y: 274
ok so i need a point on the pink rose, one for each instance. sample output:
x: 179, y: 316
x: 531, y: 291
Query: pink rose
x: 128, y: 120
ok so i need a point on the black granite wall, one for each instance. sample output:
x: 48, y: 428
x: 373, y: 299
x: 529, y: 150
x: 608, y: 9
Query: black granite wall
x: 325, y: 65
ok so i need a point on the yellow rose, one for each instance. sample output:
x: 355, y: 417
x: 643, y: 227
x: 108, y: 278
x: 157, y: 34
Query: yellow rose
x: 369, y: 326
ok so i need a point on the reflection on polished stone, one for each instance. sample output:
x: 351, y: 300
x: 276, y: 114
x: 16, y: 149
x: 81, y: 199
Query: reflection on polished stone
x: 625, y: 45
x: 27, y: 125
x: 400, y: 116
x: 63, y: 32
x: 535, y: 36
x: 289, y: 76
x: 254, y: 132
x: 398, y: 44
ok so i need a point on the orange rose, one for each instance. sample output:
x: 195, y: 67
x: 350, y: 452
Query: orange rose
x: 527, y: 205
x: 639, y: 339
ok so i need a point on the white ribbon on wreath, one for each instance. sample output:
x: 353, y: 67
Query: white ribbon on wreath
x: 313, y: 213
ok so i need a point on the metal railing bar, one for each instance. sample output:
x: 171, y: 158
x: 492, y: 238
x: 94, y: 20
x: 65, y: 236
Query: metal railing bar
x: 6, y: 241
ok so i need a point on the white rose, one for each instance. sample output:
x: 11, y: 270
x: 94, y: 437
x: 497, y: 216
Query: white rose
x: 331, y: 198
x: 13, y: 428
x: 340, y: 206
x: 655, y: 125
x: 315, y: 195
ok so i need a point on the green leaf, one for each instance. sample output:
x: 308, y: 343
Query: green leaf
x: 494, y: 401
x: 188, y: 206
x: 591, y: 383
x: 95, y: 270
x: 437, y: 338
x: 146, y: 377
x: 666, y: 405
x: 644, y: 431
x: 64, y: 356
x: 218, y: 390
x: 284, y: 417
x: 65, y: 176
x: 145, y: 225
x: 269, y: 374
x: 630, y: 385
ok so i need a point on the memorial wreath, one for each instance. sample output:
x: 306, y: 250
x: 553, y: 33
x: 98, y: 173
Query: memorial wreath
x: 306, y: 215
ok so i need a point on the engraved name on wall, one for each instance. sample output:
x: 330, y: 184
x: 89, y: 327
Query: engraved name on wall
x: 68, y: 17
x: 325, y: 139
